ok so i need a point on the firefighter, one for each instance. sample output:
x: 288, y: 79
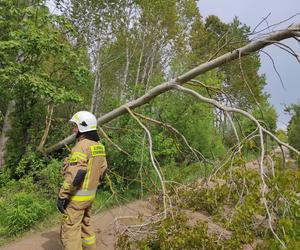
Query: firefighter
x: 83, y: 171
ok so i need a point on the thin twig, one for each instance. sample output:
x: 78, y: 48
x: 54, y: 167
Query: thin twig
x: 265, y: 18
x: 274, y: 67
x: 288, y: 49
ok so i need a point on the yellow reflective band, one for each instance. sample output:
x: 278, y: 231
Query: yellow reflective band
x: 93, y: 126
x: 83, y: 198
x: 79, y: 153
x: 89, y: 240
x: 73, y: 159
x: 77, y: 156
x: 98, y: 150
x: 66, y: 185
x: 80, y: 157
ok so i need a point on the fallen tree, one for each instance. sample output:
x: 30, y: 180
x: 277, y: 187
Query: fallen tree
x: 254, y: 46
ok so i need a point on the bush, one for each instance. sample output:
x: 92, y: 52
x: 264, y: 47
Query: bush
x: 22, y: 212
x: 50, y: 178
x: 30, y: 164
x: 4, y: 177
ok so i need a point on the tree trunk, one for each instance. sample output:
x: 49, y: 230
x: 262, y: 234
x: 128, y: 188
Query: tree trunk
x: 124, y: 84
x: 97, y: 82
x: 153, y: 53
x: 50, y: 109
x: 5, y: 129
x: 140, y: 62
x: 292, y: 31
x: 145, y: 69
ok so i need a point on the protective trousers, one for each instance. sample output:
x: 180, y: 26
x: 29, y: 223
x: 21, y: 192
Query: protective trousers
x: 76, y: 230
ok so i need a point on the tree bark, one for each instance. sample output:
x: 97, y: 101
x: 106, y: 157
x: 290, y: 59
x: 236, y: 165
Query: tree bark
x: 97, y: 82
x: 4, y: 135
x: 124, y: 87
x: 153, y: 53
x: 48, y: 120
x: 254, y: 46
x: 140, y: 61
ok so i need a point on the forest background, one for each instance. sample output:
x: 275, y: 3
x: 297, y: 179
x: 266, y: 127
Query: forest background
x: 98, y: 55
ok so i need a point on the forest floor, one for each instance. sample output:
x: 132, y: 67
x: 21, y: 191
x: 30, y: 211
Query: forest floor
x: 110, y: 223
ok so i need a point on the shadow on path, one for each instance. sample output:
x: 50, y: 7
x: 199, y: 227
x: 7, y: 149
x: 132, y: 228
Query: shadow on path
x: 53, y: 242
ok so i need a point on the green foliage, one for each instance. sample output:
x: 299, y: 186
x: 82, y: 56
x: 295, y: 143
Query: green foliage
x: 22, y: 212
x: 30, y: 164
x: 208, y: 200
x: 177, y: 235
x: 194, y: 120
x: 293, y: 129
x: 288, y: 223
x: 5, y: 176
x: 265, y: 113
x: 238, y: 209
x: 282, y: 135
x: 186, y: 174
x: 40, y: 68
x: 31, y: 199
x: 50, y: 178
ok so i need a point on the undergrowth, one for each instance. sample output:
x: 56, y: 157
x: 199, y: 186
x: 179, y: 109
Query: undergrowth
x: 29, y: 202
x: 233, y: 202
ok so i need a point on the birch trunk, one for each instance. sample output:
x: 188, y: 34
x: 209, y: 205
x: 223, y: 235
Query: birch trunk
x: 145, y: 69
x: 97, y: 82
x: 140, y: 62
x: 151, y: 67
x: 5, y: 129
x: 125, y: 76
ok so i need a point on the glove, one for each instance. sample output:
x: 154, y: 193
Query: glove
x: 62, y: 204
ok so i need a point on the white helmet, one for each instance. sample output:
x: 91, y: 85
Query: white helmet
x: 85, y: 121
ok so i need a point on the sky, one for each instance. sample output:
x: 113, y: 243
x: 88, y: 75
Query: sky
x: 252, y: 13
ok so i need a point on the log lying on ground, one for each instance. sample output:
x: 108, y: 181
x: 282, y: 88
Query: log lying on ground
x: 254, y: 46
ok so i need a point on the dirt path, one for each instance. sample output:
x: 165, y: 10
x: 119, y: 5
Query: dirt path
x: 104, y: 224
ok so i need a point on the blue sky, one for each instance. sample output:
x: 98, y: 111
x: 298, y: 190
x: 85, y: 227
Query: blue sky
x: 251, y: 13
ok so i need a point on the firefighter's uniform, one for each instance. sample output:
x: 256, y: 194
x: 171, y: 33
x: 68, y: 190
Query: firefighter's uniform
x: 76, y: 230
